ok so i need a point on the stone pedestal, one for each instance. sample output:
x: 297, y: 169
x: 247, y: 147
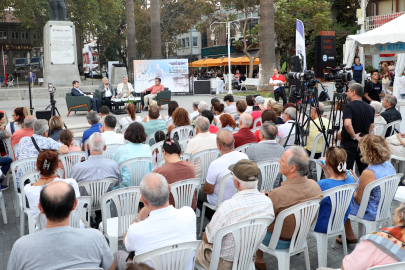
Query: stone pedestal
x: 117, y: 74
x: 60, y: 54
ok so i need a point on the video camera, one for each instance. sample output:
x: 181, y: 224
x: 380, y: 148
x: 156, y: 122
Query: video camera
x: 339, y: 75
x: 307, y: 75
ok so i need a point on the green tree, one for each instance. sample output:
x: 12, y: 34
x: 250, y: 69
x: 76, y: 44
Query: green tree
x: 345, y: 11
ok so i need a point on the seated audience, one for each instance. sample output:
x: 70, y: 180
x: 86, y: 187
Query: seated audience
x: 219, y: 168
x: 267, y: 115
x: 202, y: 106
x: 195, y: 112
x: 82, y: 248
x: 154, y: 124
x: 19, y: 115
x: 153, y: 103
x: 335, y: 175
x: 175, y: 169
x: 56, y: 125
x: 218, y: 110
x: 202, y: 141
x: 314, y: 131
x: 271, y: 103
x: 375, y: 152
x: 378, y: 119
x: 104, y: 111
x: 227, y: 122
x: 231, y: 106
x: 397, y: 144
x: 180, y: 119
x: 125, y: 88
x: 94, y: 120
x: 110, y: 136
x: 159, y: 136
x: 6, y: 161
x: 390, y: 114
x: 47, y: 164
x: 244, y: 135
x: 213, y: 101
x: 27, y: 131
x: 249, y: 103
x: 152, y: 92
x: 136, y: 136
x: 173, y: 105
x: 278, y: 110
x: 241, y: 107
x: 131, y: 111
x: 259, y: 102
x: 157, y: 224
x: 210, y: 116
x: 296, y: 189
x: 289, y: 117
x: 247, y: 203
x: 66, y: 137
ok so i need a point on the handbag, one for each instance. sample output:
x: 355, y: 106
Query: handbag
x: 385, y: 81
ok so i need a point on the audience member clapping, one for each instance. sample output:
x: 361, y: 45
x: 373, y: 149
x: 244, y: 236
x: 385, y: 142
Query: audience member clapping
x: 227, y: 122
x: 131, y: 111
x: 108, y: 130
x: 378, y: 119
x: 56, y: 125
x: 210, y: 117
x: 244, y: 135
x: 173, y: 105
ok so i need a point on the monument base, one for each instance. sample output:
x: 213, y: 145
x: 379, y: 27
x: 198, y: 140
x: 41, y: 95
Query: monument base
x: 60, y: 54
x: 117, y: 74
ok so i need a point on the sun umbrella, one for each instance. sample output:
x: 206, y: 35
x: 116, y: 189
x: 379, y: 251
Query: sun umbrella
x: 198, y: 63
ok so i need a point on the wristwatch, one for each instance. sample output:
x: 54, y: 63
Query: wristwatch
x: 355, y: 137
x: 138, y: 219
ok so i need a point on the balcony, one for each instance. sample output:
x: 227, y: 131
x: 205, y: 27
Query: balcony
x: 374, y: 22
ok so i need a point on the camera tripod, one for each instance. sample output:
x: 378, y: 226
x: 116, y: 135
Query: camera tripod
x: 53, y: 107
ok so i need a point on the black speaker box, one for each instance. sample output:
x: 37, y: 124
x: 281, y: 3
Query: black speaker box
x: 296, y: 64
x: 43, y: 115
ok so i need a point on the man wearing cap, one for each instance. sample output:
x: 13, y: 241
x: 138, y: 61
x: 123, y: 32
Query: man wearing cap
x: 247, y: 203
x: 296, y: 189
x: 125, y: 87
x: 259, y: 102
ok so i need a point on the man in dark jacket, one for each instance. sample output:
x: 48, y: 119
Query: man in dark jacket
x: 77, y: 92
x: 391, y: 114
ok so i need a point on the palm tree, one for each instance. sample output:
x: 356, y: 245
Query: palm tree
x: 131, y: 44
x: 155, y: 29
x: 267, y: 43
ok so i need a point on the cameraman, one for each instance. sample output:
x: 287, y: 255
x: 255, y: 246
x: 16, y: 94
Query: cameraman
x: 278, y: 82
x: 373, y: 89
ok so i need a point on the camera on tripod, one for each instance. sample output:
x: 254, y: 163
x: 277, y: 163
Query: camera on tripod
x: 307, y: 75
x: 339, y: 75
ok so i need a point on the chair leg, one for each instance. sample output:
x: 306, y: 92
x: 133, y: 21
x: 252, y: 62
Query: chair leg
x: 306, y: 255
x: 22, y: 224
x: 69, y: 112
x: 3, y: 209
x: 113, y: 244
x: 31, y: 223
x: 344, y: 243
x: 202, y: 219
x: 322, y: 247
x: 283, y: 260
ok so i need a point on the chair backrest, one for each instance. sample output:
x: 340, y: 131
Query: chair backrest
x: 247, y: 234
x: 392, y: 124
x: 137, y: 168
x: 77, y: 142
x: 314, y: 146
x: 152, y: 137
x: 221, y: 191
x: 159, y: 147
x: 96, y: 189
x: 205, y: 157
x: 378, y: 130
x: 26, y: 165
x: 256, y: 122
x: 85, y: 144
x: 110, y: 151
x: 70, y: 159
x: 81, y: 212
x: 388, y: 187
x: 183, y: 132
x: 394, y: 266
x: 183, y: 143
x: 269, y: 172
x: 32, y: 177
x: 124, y: 128
x: 183, y: 191
x: 117, y: 129
x: 126, y: 201
x: 183, y: 156
x: 304, y: 214
x: 244, y: 148
x: 173, y: 257
x: 290, y: 140
x: 340, y: 198
x: 8, y: 148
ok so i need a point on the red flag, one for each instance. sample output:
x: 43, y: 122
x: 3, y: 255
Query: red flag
x: 4, y: 65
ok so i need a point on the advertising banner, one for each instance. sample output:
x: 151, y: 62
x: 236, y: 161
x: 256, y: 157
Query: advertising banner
x: 172, y: 72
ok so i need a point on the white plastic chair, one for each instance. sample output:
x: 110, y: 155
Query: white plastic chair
x: 340, y: 198
x: 248, y: 235
x: 183, y: 132
x: 138, y: 168
x: 124, y: 128
x: 3, y: 207
x: 70, y: 159
x: 183, y: 156
x: 26, y: 165
x: 32, y: 177
x: 269, y: 172
x: 173, y: 257
x: 77, y: 142
x: 96, y: 189
x: 256, y: 122
x: 183, y: 143
x: 312, y: 160
x: 183, y: 191
x: 110, y: 150
x: 220, y: 199
x: 244, y: 148
x: 152, y: 137
x: 304, y: 214
x: 85, y: 269
x: 378, y: 129
x: 9, y: 149
x: 398, y: 163
x: 126, y: 201
x: 290, y: 140
x: 159, y: 147
x: 15, y: 148
x: 83, y: 207
x: 394, y: 266
x: 117, y: 129
x: 205, y: 158
x: 388, y: 187
x: 393, y: 124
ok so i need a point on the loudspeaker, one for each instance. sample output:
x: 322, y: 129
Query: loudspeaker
x: 296, y: 64
x: 202, y: 87
x: 325, y: 54
x: 43, y: 115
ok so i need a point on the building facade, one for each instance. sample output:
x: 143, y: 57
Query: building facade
x: 189, y: 45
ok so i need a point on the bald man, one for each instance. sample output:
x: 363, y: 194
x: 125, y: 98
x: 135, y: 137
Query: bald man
x: 86, y: 248
x: 218, y: 168
x: 244, y: 135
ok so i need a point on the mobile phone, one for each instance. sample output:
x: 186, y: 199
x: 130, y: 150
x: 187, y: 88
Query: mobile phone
x: 396, y: 130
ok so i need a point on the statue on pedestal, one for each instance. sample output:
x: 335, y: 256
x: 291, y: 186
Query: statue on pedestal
x: 57, y: 10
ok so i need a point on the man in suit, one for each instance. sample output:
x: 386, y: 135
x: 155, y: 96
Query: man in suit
x: 125, y: 87
x: 107, y: 90
x: 77, y: 92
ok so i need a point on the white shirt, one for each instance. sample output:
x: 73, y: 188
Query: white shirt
x: 402, y: 82
x: 107, y: 91
x: 168, y: 120
x: 121, y: 85
x: 32, y: 193
x: 17, y: 126
x: 218, y: 168
x: 113, y: 138
x: 249, y: 109
x: 231, y: 109
x: 128, y: 120
x: 284, y: 129
x: 193, y: 114
x: 162, y: 228
x: 276, y: 81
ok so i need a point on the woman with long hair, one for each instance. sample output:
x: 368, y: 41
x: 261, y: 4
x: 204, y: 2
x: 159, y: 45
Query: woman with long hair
x: 56, y: 124
x: 227, y: 122
x: 18, y: 115
x: 386, y: 78
x: 172, y: 106
x: 131, y: 111
x: 218, y: 110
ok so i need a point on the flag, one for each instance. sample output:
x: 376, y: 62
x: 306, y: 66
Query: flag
x: 300, y: 43
x: 91, y: 61
x: 4, y: 65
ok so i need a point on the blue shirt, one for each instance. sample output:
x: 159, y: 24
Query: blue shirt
x: 154, y: 125
x: 87, y: 133
x: 326, y: 206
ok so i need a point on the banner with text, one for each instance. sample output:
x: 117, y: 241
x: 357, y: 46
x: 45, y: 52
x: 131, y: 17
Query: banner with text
x: 172, y: 72
x: 300, y: 43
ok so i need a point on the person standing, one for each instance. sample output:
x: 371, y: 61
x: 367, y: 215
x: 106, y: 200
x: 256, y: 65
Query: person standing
x: 357, y: 70
x: 373, y: 89
x: 107, y: 90
x: 278, y: 81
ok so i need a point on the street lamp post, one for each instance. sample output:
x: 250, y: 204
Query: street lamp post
x: 237, y: 36
x: 167, y: 48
